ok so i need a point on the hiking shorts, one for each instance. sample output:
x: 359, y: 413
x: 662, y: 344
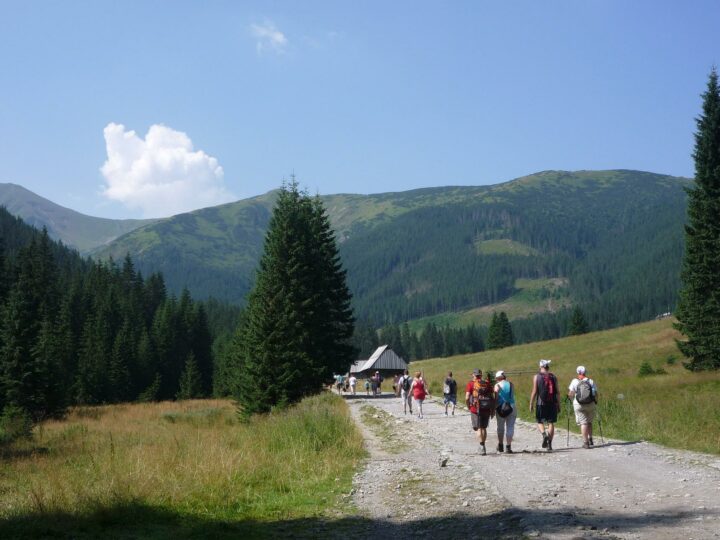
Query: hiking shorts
x: 450, y: 398
x: 479, y: 420
x: 546, y: 413
x: 584, y: 414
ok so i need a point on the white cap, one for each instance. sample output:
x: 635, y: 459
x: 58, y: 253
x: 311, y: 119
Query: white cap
x: 499, y: 374
x: 545, y: 363
x: 581, y: 370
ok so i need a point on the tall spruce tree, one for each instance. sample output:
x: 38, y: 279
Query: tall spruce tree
x: 699, y: 307
x: 578, y: 324
x: 298, y: 322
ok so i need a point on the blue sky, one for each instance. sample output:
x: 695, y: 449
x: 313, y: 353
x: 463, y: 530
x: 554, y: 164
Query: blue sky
x: 225, y: 99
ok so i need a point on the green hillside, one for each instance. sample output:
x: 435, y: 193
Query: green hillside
x: 74, y: 229
x: 678, y: 409
x: 453, y: 250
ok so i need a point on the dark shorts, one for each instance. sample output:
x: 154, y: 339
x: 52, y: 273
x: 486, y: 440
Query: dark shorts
x: 479, y: 420
x: 450, y: 398
x: 546, y: 413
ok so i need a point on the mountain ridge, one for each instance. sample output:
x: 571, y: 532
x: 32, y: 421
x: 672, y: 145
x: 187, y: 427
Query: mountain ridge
x: 73, y: 228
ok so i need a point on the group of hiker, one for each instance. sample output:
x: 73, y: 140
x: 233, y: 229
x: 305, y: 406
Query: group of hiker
x: 486, y: 400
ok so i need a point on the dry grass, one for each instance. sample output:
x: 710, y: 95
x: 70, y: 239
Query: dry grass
x: 679, y: 409
x: 191, y: 458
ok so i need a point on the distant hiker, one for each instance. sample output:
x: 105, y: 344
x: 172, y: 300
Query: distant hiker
x: 396, y: 389
x: 450, y: 392
x: 583, y: 392
x: 506, y: 411
x: 480, y: 400
x: 405, y: 382
x: 544, y: 399
x: 353, y: 384
x: 367, y: 386
x: 419, y: 390
x: 339, y: 383
x: 375, y: 383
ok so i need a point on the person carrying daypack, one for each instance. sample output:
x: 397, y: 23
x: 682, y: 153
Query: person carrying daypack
x: 506, y: 411
x: 544, y: 399
x: 583, y: 393
x: 405, y: 382
x: 480, y: 400
x: 450, y: 393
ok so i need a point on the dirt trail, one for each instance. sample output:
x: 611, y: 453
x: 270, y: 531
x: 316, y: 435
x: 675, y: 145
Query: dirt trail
x: 616, y: 490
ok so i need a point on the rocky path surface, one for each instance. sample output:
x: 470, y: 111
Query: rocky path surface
x: 426, y: 478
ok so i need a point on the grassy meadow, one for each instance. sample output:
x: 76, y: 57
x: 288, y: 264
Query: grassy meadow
x: 679, y: 409
x: 178, y: 470
x: 532, y: 296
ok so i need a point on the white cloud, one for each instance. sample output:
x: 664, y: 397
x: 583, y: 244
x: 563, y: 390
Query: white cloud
x: 268, y: 38
x: 161, y: 175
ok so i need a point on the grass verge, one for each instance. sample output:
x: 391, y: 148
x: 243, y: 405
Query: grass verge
x: 383, y: 425
x: 178, y: 470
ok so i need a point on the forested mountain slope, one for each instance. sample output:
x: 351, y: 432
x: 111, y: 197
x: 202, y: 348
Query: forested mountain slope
x: 615, y: 237
x: 72, y: 228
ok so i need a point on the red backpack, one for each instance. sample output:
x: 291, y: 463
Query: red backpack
x: 547, y: 388
x: 482, y: 397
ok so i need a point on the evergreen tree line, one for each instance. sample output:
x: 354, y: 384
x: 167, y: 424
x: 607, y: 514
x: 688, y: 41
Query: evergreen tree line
x: 73, y: 331
x: 298, y: 324
x: 433, y: 341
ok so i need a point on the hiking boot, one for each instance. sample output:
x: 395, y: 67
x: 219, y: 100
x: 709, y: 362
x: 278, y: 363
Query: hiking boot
x: 500, y: 447
x: 545, y: 440
x: 591, y: 442
x: 549, y: 446
x: 586, y: 445
x: 482, y: 450
x: 508, y: 450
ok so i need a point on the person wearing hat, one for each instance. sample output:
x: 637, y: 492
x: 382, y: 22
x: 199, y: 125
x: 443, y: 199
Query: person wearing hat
x: 505, y: 393
x: 544, y: 399
x: 583, y: 393
x: 479, y: 398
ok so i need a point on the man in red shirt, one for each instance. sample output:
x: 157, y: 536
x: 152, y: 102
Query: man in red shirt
x: 480, y: 402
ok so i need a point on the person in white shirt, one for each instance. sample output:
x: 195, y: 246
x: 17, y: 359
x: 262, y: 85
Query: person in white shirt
x: 405, y: 382
x: 583, y: 393
x: 353, y: 384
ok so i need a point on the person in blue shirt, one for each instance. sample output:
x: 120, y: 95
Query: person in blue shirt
x: 505, y: 393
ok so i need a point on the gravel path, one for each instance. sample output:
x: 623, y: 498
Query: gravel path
x: 616, y: 490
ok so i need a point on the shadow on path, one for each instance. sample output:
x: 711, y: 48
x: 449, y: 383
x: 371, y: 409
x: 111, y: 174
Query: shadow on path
x: 142, y: 521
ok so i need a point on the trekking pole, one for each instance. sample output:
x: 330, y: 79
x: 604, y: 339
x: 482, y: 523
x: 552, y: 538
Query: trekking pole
x: 600, y: 424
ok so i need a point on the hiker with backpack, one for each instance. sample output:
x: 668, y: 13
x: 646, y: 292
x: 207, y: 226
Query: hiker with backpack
x: 405, y: 382
x: 544, y: 399
x: 506, y: 412
x: 583, y: 393
x: 419, y: 391
x: 480, y: 400
x: 450, y: 393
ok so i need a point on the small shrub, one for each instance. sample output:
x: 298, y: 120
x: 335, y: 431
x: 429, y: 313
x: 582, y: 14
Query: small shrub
x: 15, y: 423
x: 670, y: 360
x: 660, y: 371
x: 645, y: 370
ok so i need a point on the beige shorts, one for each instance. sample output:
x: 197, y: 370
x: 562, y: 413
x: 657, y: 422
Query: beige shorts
x: 584, y: 414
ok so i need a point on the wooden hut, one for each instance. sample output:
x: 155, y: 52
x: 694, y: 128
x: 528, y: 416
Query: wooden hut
x: 384, y: 360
